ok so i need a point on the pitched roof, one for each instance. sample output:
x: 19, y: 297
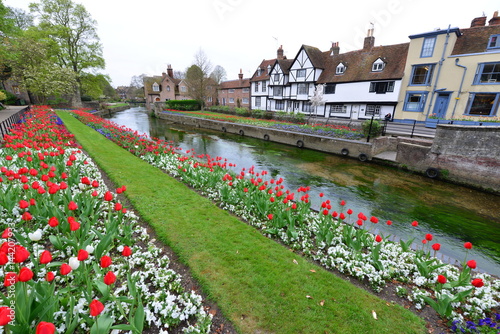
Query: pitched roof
x: 359, y: 64
x: 285, y: 65
x: 315, y: 55
x: 148, y: 84
x: 474, y: 40
x: 263, y: 65
x: 234, y: 84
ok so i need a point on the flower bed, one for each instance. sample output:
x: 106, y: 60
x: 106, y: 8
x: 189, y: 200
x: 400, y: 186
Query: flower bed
x: 73, y: 258
x: 327, y: 130
x: 337, y: 239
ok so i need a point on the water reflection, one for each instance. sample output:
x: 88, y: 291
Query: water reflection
x: 453, y: 214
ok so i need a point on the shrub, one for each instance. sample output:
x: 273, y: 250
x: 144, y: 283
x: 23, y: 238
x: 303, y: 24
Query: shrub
x: 187, y: 105
x: 376, y: 128
x: 242, y: 112
x: 3, y: 97
x: 86, y: 98
x: 258, y: 113
x: 10, y: 98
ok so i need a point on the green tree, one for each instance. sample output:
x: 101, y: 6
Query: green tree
x: 97, y: 86
x: 33, y: 66
x: 74, y: 31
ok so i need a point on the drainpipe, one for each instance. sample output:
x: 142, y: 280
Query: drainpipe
x: 439, y: 70
x: 460, y: 88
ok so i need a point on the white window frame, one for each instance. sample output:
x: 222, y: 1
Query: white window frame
x: 378, y: 65
x: 302, y: 89
x: 340, y: 69
x: 301, y: 73
x: 156, y: 87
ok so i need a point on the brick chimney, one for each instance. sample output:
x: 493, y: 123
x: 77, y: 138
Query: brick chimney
x: 240, y: 75
x: 495, y: 20
x: 170, y: 71
x: 280, y: 53
x: 478, y: 22
x: 369, y: 42
x: 335, y: 49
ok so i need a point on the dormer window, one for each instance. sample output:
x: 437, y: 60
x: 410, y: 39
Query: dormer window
x: 340, y: 69
x: 494, y: 42
x: 156, y: 87
x: 259, y: 71
x: 378, y: 65
x: 268, y: 68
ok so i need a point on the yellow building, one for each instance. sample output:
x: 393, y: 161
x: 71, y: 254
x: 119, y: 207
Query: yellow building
x: 453, y: 74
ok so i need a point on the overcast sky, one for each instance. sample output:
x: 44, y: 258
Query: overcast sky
x: 144, y: 36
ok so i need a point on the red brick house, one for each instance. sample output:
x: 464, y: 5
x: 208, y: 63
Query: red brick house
x: 235, y: 93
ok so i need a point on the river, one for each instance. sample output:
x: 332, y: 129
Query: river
x: 452, y: 213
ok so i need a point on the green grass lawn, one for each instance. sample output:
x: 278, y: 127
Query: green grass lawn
x: 261, y: 286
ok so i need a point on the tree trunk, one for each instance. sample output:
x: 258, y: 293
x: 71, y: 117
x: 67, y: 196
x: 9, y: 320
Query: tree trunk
x: 76, y: 99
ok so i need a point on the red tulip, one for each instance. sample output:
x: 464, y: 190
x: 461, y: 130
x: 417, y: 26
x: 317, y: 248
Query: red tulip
x: 65, y: 269
x: 436, y: 246
x: 53, y: 222
x: 118, y: 206
x: 45, y: 328
x: 321, y: 194
x: 428, y: 237
x: 374, y: 219
x: 73, y: 224
x: 10, y: 279
x: 7, y: 233
x: 270, y: 216
x: 23, y: 204
x: 342, y: 202
x: 441, y: 279
x: 109, y: 278
x: 25, y: 274
x: 49, y: 277
x: 414, y: 223
x: 105, y: 261
x: 342, y: 216
x: 477, y: 282
x: 21, y: 254
x: 472, y: 264
x: 349, y: 211
x: 378, y: 238
x: 389, y: 222
x: 72, y: 206
x: 4, y: 259
x: 468, y: 245
x: 126, y: 251
x: 359, y: 222
x: 45, y: 257
x: 82, y: 255
x: 108, y: 196
x: 95, y: 184
x: 85, y: 180
x: 26, y: 216
x: 96, y: 307
x: 6, y: 315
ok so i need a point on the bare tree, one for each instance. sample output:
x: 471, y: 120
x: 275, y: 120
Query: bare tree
x: 197, y: 78
x: 22, y: 20
x: 218, y: 74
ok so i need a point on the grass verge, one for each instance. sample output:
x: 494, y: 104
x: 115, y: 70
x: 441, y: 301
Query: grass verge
x: 261, y: 286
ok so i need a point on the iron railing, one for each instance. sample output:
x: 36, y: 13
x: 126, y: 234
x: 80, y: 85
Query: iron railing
x: 7, y: 125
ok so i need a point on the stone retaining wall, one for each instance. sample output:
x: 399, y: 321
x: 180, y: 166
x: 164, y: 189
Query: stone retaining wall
x: 460, y: 154
x: 350, y: 148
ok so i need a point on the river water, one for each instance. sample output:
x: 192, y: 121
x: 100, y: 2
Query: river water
x: 453, y: 214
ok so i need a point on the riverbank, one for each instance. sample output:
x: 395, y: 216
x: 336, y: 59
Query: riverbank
x: 454, y: 155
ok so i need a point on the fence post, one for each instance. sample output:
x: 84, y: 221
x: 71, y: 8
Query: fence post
x: 370, y: 129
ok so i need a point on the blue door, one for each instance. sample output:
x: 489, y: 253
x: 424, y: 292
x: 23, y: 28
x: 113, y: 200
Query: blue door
x: 441, y: 105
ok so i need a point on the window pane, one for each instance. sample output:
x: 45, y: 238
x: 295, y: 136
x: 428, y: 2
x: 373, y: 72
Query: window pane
x: 428, y: 47
x: 482, y: 104
x: 422, y: 74
x: 490, y: 73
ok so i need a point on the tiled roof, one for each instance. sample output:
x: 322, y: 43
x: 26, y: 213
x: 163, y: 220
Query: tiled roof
x: 474, y: 40
x: 148, y: 84
x: 234, y: 84
x: 359, y: 64
x: 315, y: 55
x: 285, y: 65
x: 263, y: 65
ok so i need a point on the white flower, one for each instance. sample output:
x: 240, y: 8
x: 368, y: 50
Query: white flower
x: 74, y: 263
x: 89, y: 249
x: 35, y: 236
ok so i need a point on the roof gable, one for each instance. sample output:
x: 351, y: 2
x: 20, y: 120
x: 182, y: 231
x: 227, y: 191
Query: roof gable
x: 264, y: 75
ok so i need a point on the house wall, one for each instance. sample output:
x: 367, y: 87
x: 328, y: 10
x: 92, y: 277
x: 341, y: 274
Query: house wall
x: 442, y: 45
x: 225, y: 97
